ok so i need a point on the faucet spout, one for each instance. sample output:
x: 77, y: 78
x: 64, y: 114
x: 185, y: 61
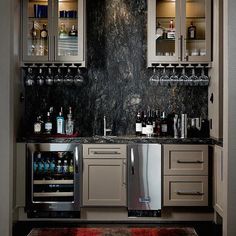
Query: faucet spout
x: 105, y: 130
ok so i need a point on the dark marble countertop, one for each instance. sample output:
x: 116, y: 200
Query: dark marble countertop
x: 121, y: 140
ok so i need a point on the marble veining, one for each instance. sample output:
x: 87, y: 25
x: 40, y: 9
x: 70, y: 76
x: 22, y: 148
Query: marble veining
x: 117, y: 78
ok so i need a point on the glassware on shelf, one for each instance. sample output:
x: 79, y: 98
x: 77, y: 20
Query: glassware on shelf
x: 78, y: 79
x: 155, y: 78
x: 164, y: 79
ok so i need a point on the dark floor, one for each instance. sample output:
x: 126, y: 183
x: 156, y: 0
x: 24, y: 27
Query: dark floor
x: 202, y: 228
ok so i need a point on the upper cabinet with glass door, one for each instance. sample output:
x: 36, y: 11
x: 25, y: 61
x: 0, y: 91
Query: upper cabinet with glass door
x: 54, y: 31
x: 179, y: 31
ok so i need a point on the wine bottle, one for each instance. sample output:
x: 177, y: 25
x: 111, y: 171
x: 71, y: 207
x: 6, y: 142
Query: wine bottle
x: 158, y: 123
x: 192, y: 31
x: 138, y: 127
x: 149, y: 125
x: 144, y: 130
x: 171, y: 30
x: 164, y: 124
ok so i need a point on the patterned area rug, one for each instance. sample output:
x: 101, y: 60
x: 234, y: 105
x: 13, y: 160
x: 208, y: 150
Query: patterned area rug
x: 113, y: 232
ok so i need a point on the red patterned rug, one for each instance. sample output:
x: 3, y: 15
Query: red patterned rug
x: 113, y: 232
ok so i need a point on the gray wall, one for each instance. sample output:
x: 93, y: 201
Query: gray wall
x: 229, y: 226
x: 6, y: 117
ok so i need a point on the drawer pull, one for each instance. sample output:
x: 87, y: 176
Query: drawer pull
x: 106, y: 153
x: 189, y: 193
x: 190, y: 162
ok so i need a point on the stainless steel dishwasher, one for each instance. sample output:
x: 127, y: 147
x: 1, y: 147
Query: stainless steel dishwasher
x: 144, y: 180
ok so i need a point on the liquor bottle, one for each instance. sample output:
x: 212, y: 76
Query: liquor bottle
x: 44, y: 32
x: 159, y: 31
x: 60, y: 123
x: 154, y: 121
x: 171, y: 30
x: 46, y: 166
x: 59, y: 167
x: 69, y: 123
x: 43, y: 41
x: 158, y: 123
x: 149, y: 125
x: 40, y: 164
x: 34, y: 40
x: 192, y: 31
x: 138, y: 125
x: 52, y: 167
x: 144, y: 127
x: 48, y: 124
x: 62, y: 32
x: 35, y: 165
x: 73, y: 31
x: 65, y: 168
x: 164, y: 124
x: 71, y: 167
x: 38, y: 126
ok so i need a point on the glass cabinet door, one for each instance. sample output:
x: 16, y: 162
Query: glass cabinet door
x: 164, y: 30
x: 69, y: 38
x: 197, y: 31
x: 36, y: 24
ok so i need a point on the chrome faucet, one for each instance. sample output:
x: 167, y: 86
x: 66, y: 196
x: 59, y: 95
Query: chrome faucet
x: 105, y: 130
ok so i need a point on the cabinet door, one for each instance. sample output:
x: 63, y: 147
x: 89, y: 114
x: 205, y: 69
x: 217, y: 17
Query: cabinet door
x: 69, y: 26
x: 196, y: 30
x: 218, y: 179
x: 104, y: 182
x: 163, y: 36
x: 36, y: 27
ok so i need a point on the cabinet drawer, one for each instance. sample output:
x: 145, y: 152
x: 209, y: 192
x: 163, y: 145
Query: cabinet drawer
x: 185, y: 190
x: 104, y: 150
x: 185, y: 160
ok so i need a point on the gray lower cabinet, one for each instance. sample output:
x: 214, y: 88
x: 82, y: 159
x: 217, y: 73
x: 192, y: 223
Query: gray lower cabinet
x: 104, y: 175
x: 218, y: 180
x: 185, y: 175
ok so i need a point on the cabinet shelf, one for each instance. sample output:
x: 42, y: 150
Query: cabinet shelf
x: 42, y: 182
x: 55, y: 194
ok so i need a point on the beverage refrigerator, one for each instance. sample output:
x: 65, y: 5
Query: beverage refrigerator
x: 53, y: 180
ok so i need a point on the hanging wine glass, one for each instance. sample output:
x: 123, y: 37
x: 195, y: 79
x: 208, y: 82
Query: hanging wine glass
x: 183, y: 79
x: 49, y: 77
x: 203, y: 79
x: 174, y: 77
x: 58, y: 79
x: 40, y: 77
x: 193, y: 78
x: 29, y: 78
x: 78, y: 79
x: 68, y: 77
x: 164, y: 80
x: 155, y: 79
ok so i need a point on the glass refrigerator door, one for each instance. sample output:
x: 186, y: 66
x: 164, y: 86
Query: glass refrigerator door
x: 53, y: 176
x: 167, y: 30
x: 35, y: 30
x: 197, y: 30
x: 69, y: 35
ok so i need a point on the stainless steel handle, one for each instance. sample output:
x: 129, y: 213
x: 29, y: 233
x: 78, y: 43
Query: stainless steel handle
x: 76, y: 155
x: 124, y: 172
x: 189, y: 162
x: 132, y: 161
x: 106, y: 152
x: 221, y: 166
x: 181, y: 47
x: 190, y: 193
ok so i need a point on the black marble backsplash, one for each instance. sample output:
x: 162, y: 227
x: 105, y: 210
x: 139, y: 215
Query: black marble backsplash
x: 116, y: 78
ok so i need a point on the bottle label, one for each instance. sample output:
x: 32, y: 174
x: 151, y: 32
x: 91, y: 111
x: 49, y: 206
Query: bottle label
x: 138, y: 127
x: 144, y: 130
x: 149, y: 129
x: 37, y: 127
x: 48, y: 126
x: 164, y: 128
x: 44, y: 34
x: 60, y: 126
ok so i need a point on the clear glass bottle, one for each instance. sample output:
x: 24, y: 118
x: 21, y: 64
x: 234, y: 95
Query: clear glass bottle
x: 192, y: 31
x: 63, y: 33
x: 69, y: 123
x: 171, y: 30
x: 48, y: 124
x: 60, y: 123
x: 38, y: 125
